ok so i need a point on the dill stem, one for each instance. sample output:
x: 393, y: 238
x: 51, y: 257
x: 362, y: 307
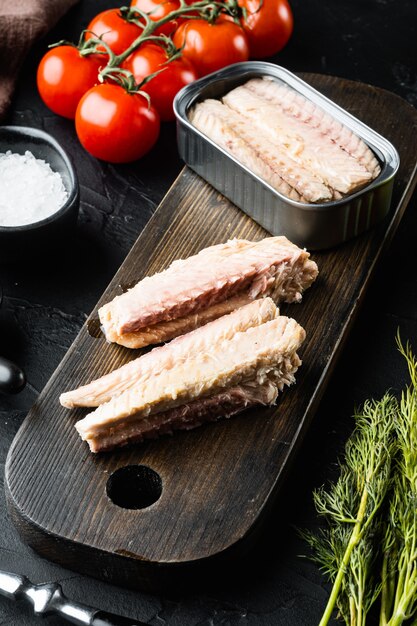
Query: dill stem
x: 386, y: 592
x: 406, y: 579
x: 400, y: 613
x: 400, y: 583
x: 352, y: 610
x: 361, y: 616
x: 353, y: 541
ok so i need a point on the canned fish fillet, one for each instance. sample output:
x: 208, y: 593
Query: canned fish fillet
x: 323, y: 195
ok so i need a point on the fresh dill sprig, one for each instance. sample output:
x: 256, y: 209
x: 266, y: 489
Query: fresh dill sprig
x: 371, y: 514
x: 347, y: 548
x: 399, y: 579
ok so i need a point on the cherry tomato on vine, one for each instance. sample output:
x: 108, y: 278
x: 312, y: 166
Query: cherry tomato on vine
x: 210, y: 47
x: 268, y: 25
x: 114, y: 125
x: 115, y: 31
x: 158, y: 9
x: 150, y: 58
x: 64, y: 76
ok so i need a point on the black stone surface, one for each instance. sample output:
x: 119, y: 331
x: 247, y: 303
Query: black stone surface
x: 46, y: 300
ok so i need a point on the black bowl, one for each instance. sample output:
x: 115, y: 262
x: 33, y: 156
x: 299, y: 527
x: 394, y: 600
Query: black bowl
x: 17, y: 242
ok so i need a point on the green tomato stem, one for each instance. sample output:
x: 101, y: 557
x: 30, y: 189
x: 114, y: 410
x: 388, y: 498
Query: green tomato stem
x: 216, y: 8
x: 207, y: 9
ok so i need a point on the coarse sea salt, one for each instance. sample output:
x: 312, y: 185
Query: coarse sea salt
x: 30, y: 190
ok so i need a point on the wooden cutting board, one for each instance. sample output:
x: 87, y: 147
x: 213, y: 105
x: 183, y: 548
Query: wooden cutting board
x: 212, y: 486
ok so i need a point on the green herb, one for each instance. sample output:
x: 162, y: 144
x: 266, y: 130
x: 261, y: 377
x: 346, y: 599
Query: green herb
x: 345, y: 548
x: 368, y: 549
x: 399, y: 579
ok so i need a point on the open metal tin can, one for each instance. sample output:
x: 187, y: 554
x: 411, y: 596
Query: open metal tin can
x: 315, y: 226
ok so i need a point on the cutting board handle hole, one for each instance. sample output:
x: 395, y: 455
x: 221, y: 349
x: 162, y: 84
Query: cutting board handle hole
x: 134, y: 487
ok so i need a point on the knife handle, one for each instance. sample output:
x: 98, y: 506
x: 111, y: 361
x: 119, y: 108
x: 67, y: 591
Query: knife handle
x: 12, y: 379
x: 48, y: 598
x: 101, y: 618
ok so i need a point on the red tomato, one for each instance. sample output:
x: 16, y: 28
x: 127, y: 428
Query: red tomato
x: 212, y: 46
x: 64, y: 76
x: 157, y: 9
x: 116, y: 32
x: 114, y: 125
x: 268, y: 26
x: 150, y: 58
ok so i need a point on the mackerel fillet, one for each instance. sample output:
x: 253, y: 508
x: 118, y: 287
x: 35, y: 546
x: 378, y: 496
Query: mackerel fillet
x: 242, y: 360
x: 205, y: 286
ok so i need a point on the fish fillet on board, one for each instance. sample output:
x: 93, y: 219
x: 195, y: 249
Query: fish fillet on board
x: 273, y: 266
x: 262, y: 353
x: 196, y: 413
x: 230, y: 130
x: 305, y: 144
x: 293, y: 103
x: 171, y: 355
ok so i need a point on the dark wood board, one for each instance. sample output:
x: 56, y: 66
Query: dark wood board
x: 220, y: 479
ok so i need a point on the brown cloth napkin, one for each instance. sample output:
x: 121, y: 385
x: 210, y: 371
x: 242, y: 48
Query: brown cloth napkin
x: 21, y: 23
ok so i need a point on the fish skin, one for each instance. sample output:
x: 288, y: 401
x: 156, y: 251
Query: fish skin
x: 166, y: 357
x: 248, y: 356
x: 212, y: 276
x: 295, y: 104
x: 305, y: 144
x: 231, y: 131
x: 188, y: 416
x: 165, y: 331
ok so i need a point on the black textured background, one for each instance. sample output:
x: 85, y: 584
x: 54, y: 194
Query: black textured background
x: 47, y: 299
